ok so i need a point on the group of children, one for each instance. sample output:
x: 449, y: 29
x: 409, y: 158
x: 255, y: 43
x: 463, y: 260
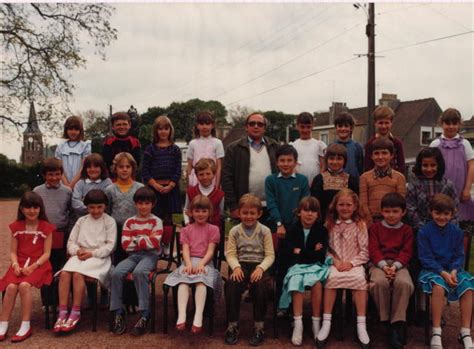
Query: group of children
x: 328, y: 223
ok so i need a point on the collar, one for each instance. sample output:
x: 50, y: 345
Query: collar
x: 335, y: 173
x: 280, y: 175
x: 251, y: 141
x: 205, y: 189
x: 52, y: 186
x: 344, y: 142
x: 381, y: 174
x: 97, y: 181
x: 396, y: 226
x: 389, y: 136
x: 455, y: 137
x: 347, y: 221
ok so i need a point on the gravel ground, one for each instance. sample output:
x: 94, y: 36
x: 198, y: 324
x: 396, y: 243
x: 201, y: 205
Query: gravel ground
x: 83, y: 337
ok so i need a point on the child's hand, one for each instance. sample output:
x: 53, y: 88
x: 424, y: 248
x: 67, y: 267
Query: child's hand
x: 199, y: 269
x: 449, y: 279
x: 296, y: 250
x: 166, y: 189
x: 256, y: 275
x: 237, y: 274
x: 84, y: 255
x: 17, y: 270
x: 318, y: 246
x: 281, y: 231
x: 454, y: 276
x: 465, y: 196
x: 28, y: 270
x: 345, y: 266
x: 188, y: 269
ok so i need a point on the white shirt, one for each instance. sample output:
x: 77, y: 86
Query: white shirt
x: 467, y: 146
x: 309, y: 151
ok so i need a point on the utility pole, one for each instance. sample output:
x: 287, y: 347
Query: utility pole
x: 370, y: 32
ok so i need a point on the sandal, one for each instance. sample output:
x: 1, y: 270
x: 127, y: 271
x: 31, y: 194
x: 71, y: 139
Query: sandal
x: 58, y: 325
x: 461, y: 340
x: 69, y: 325
x: 436, y: 346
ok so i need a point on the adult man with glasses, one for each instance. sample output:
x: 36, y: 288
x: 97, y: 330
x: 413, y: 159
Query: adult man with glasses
x: 247, y: 162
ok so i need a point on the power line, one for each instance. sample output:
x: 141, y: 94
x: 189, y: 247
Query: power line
x: 287, y: 62
x: 425, y: 42
x: 295, y: 80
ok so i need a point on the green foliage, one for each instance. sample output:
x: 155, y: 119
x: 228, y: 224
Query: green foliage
x: 279, y: 121
x: 96, y: 128
x: 17, y: 178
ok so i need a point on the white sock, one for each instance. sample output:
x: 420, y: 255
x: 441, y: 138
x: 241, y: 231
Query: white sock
x: 467, y: 341
x: 200, y: 300
x: 362, y: 330
x: 183, y: 296
x: 316, y: 324
x: 25, y: 326
x: 325, y: 328
x: 297, y: 337
x: 3, y: 327
x: 436, y: 340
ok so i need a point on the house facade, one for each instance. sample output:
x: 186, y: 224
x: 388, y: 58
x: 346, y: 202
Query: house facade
x: 415, y: 122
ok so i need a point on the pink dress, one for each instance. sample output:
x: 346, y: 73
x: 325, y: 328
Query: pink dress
x: 200, y: 148
x: 350, y: 243
x: 30, y: 248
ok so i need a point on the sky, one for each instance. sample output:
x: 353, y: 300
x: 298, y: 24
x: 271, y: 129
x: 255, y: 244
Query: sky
x: 275, y: 56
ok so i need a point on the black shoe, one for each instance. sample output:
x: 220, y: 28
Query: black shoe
x: 363, y: 345
x: 119, y: 326
x: 396, y: 341
x: 141, y: 326
x: 231, y: 335
x: 320, y: 344
x: 420, y: 318
x: 257, y: 338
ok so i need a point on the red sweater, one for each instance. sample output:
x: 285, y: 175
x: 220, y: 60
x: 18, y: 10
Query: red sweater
x: 215, y: 196
x: 390, y: 243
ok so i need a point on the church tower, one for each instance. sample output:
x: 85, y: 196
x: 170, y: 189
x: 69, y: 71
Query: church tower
x: 32, y: 150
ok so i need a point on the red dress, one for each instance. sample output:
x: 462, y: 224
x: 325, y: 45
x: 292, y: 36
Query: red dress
x: 30, y: 248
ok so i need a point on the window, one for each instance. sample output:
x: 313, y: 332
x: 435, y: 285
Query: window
x: 438, y: 131
x: 425, y: 135
x: 324, y: 136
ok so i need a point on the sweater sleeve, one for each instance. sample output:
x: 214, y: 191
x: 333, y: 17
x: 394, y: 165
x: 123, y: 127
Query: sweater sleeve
x: 319, y: 255
x: 147, y: 164
x: 128, y: 243
x: 152, y: 241
x: 425, y: 254
x: 110, y: 237
x: 400, y: 157
x: 317, y: 187
x: 364, y: 198
x: 136, y: 153
x: 457, y: 261
x: 228, y: 177
x: 412, y: 206
x: 450, y: 190
x: 107, y: 154
x: 401, y: 185
x: 375, y: 252
x: 72, y: 245
x: 359, y: 158
x: 271, y: 196
x: 175, y: 177
x: 363, y: 242
x: 76, y: 202
x: 368, y: 163
x: 269, y: 251
x: 231, y: 252
x: 406, y: 252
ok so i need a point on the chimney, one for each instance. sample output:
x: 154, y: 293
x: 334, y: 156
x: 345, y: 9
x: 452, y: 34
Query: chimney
x: 389, y: 100
x: 335, y: 109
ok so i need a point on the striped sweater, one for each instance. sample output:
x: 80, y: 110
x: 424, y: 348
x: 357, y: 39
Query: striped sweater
x: 142, y: 234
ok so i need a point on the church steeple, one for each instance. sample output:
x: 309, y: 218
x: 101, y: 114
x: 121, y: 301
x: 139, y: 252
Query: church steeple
x: 32, y: 150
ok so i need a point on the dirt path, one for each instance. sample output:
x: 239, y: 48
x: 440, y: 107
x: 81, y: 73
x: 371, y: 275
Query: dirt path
x: 85, y: 338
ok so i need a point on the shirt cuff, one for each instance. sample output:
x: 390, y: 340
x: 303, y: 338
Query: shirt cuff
x: 383, y: 263
x: 398, y: 265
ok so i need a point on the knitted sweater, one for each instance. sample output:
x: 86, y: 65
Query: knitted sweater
x: 142, y: 234
x: 283, y: 196
x: 121, y: 205
x: 82, y: 187
x: 57, y: 204
x: 355, y: 158
x: 372, y: 190
x: 256, y: 248
x: 398, y: 160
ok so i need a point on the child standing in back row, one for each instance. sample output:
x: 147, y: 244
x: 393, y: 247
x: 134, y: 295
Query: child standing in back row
x: 205, y: 145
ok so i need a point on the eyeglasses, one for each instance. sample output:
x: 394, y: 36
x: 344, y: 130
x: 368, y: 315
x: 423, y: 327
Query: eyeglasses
x: 256, y: 123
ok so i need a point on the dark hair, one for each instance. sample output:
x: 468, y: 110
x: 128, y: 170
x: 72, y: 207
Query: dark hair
x: 429, y: 152
x: 392, y: 200
x: 286, y: 149
x: 344, y: 118
x: 335, y: 149
x: 309, y: 203
x: 74, y: 122
x: 31, y: 199
x: 95, y: 197
x: 450, y: 116
x: 144, y: 194
x: 442, y: 203
x: 201, y: 202
x: 265, y: 120
x: 94, y: 159
x: 161, y: 122
x: 51, y: 165
x: 383, y: 112
x: 204, y: 117
x: 304, y: 118
x: 383, y: 143
x: 119, y: 116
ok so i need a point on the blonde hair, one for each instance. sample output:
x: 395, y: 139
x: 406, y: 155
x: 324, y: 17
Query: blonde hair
x: 124, y: 156
x: 250, y: 200
x: 162, y: 121
x: 333, y: 216
x: 383, y: 112
x: 204, y: 164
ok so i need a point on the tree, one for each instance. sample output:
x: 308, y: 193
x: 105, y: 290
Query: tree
x: 238, y: 115
x: 278, y: 123
x: 41, y: 44
x: 96, y: 125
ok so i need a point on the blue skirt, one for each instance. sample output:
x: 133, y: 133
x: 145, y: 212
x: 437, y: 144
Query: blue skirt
x: 465, y: 282
x: 300, y: 276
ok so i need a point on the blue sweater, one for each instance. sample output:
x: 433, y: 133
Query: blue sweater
x: 283, y: 195
x: 355, y: 158
x: 440, y: 249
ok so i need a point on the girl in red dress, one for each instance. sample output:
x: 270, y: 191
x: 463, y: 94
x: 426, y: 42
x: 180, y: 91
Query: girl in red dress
x: 29, y: 254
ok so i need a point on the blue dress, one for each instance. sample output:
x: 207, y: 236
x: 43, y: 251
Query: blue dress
x: 442, y: 249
